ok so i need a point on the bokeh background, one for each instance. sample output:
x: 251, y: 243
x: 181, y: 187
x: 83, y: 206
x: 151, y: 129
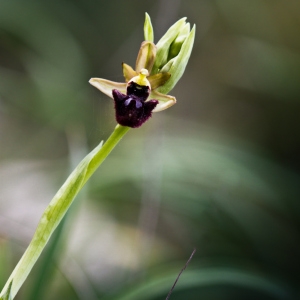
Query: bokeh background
x: 218, y: 171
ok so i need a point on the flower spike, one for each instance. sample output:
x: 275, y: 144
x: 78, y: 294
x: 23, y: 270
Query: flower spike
x: 158, y: 69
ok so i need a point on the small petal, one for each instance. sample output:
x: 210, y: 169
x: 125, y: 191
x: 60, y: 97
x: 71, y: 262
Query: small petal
x: 106, y: 86
x: 165, y: 101
x: 158, y: 79
x: 146, y: 57
x: 148, y: 29
x: 128, y: 72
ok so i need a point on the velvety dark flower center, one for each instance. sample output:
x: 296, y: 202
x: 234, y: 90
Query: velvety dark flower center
x: 132, y: 109
x: 137, y: 90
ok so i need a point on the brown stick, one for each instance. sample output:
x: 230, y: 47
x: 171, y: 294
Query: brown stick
x: 186, y: 264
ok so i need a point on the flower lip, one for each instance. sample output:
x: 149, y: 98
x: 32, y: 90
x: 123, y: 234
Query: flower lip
x: 132, y: 109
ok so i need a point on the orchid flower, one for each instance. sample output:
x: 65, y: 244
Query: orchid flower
x: 158, y: 68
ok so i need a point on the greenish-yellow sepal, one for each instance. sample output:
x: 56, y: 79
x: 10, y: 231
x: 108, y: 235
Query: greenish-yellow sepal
x: 128, y: 72
x: 106, y: 86
x: 165, y: 101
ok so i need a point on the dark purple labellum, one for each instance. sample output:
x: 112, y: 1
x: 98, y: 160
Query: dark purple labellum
x: 132, y: 109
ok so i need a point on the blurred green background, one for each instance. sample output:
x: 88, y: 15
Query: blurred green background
x: 219, y: 171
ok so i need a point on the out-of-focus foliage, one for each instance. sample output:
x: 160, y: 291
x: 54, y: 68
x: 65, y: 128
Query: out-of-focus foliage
x: 219, y: 171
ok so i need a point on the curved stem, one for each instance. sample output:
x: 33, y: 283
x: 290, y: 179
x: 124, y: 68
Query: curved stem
x: 108, y: 146
x: 56, y: 210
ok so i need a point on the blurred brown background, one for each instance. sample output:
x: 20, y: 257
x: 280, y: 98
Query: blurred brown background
x: 218, y: 171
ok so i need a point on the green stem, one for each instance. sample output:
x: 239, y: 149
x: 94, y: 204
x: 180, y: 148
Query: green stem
x: 57, y: 209
x: 110, y: 144
x: 47, y: 263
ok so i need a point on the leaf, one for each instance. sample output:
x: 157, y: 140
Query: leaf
x: 7, y: 294
x: 49, y: 221
x: 193, y: 280
x: 58, y: 208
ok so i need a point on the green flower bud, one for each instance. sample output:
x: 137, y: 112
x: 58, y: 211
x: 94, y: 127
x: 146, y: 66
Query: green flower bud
x: 148, y: 29
x: 177, y: 64
x: 173, y: 51
x: 176, y: 45
x: 163, y: 45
